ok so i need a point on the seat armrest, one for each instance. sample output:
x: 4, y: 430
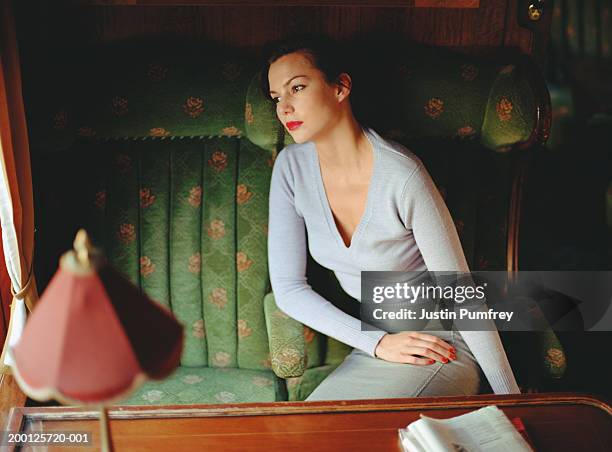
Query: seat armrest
x: 286, y: 341
x: 553, y: 364
x: 537, y: 357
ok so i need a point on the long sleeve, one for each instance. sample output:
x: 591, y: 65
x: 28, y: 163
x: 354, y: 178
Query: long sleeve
x: 287, y: 263
x: 439, y: 244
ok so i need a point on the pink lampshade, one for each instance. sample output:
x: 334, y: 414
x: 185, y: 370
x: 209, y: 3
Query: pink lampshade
x: 94, y: 336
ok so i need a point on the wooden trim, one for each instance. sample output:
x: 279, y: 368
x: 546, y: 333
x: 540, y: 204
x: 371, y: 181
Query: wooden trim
x: 471, y: 4
x: 446, y: 3
x: 11, y: 396
x: 539, y: 135
x: 14, y: 420
x: 283, y: 408
x: 514, y: 213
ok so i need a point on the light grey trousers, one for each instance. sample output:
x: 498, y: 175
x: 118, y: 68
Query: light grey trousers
x: 361, y: 376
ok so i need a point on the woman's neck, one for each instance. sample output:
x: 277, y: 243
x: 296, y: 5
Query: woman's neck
x: 345, y: 145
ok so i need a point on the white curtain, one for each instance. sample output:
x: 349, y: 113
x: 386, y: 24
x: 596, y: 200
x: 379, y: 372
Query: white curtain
x: 16, y: 197
x: 13, y: 263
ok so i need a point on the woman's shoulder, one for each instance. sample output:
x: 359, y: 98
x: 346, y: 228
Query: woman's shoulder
x: 292, y: 163
x: 291, y: 157
x: 293, y: 153
x: 394, y: 155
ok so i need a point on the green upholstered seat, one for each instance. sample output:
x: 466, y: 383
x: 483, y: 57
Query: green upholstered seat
x: 166, y: 158
x: 191, y: 385
x: 173, y: 189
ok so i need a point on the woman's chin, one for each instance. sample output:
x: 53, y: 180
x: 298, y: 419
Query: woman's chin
x: 299, y: 137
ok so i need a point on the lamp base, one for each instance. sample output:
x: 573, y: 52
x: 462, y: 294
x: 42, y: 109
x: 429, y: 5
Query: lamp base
x: 106, y: 443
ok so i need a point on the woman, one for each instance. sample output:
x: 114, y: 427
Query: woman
x: 366, y: 204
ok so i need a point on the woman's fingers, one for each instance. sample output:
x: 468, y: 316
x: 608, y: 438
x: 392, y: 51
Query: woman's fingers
x: 409, y: 359
x: 435, y: 351
x: 411, y: 347
x: 433, y: 339
x: 426, y: 352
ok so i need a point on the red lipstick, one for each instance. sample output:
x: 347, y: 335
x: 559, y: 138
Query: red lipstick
x: 292, y: 125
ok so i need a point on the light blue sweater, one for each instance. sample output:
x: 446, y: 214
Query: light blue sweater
x: 405, y: 227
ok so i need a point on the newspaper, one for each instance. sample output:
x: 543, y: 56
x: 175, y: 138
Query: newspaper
x: 486, y: 429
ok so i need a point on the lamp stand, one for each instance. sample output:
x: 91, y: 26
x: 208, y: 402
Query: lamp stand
x: 106, y: 443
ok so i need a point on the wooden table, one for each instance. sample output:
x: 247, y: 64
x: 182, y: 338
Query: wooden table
x: 554, y: 421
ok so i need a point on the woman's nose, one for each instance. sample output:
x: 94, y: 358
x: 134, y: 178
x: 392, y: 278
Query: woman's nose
x: 285, y: 107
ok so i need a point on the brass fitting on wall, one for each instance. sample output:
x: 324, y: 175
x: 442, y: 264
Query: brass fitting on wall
x: 535, y: 10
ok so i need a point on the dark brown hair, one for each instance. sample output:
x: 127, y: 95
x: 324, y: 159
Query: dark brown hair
x: 324, y: 53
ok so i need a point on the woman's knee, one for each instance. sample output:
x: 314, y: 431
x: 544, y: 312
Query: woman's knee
x: 451, y: 384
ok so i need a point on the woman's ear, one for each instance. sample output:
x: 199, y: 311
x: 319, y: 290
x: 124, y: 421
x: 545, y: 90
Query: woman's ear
x: 344, y: 85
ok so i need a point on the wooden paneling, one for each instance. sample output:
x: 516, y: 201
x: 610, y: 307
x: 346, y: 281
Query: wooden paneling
x: 10, y: 396
x: 493, y: 24
x: 516, y: 35
x: 377, y: 3
x: 446, y: 3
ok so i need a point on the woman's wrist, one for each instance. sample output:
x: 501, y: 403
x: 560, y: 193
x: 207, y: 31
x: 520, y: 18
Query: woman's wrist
x: 378, y: 345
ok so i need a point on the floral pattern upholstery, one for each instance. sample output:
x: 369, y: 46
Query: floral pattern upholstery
x: 186, y: 221
x: 179, y: 153
x: 210, y: 385
x: 154, y: 89
x: 287, y: 341
x: 509, y: 115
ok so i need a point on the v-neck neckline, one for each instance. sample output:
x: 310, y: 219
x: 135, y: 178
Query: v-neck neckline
x: 367, y: 211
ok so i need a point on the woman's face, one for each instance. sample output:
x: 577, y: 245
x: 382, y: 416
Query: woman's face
x: 305, y: 103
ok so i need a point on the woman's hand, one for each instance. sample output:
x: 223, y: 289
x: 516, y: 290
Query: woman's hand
x: 410, y: 347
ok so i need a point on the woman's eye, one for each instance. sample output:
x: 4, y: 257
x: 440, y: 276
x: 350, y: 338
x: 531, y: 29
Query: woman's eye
x: 298, y: 88
x: 276, y: 100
